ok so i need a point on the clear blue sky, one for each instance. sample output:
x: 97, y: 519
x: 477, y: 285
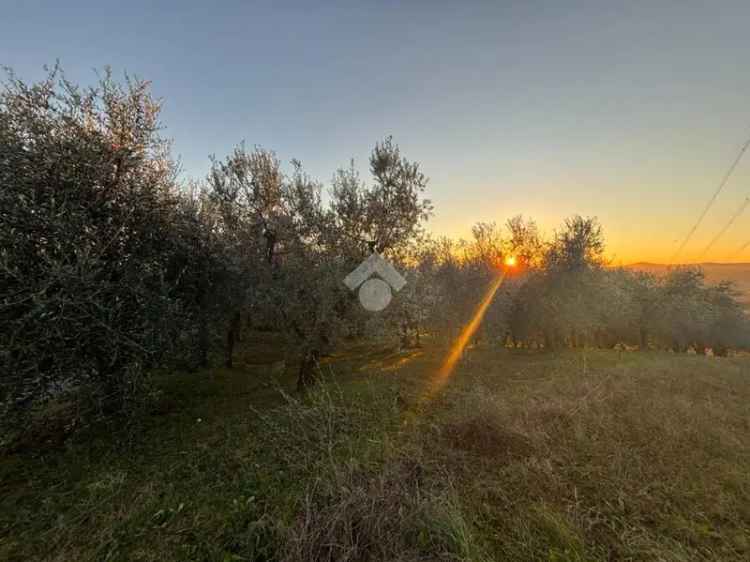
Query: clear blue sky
x: 630, y: 111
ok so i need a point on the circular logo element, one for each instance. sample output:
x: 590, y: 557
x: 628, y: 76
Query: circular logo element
x: 374, y: 294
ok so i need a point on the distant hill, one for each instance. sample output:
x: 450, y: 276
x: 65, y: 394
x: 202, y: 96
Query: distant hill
x: 737, y: 273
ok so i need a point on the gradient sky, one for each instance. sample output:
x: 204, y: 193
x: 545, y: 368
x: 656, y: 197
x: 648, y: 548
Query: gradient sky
x: 628, y: 111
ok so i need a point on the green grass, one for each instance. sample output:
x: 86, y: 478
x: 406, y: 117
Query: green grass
x: 521, y: 456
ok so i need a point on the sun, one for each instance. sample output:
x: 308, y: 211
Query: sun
x: 510, y: 261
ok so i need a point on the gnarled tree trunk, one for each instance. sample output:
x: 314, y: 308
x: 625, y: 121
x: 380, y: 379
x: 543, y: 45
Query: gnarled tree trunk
x: 308, y: 369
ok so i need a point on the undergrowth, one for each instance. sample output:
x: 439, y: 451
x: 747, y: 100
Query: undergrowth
x: 521, y: 457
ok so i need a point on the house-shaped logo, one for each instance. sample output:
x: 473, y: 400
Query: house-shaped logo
x: 375, y: 292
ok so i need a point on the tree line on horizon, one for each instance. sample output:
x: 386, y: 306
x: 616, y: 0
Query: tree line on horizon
x: 111, y: 266
x: 563, y: 293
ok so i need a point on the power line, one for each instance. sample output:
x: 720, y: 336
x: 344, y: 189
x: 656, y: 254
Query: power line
x: 742, y: 248
x: 735, y: 216
x: 711, y: 201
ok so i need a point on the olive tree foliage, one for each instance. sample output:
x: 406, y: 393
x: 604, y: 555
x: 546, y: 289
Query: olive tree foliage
x: 386, y: 215
x: 297, y: 250
x: 209, y: 281
x: 560, y: 300
x: 574, y: 299
x: 447, y: 279
x: 525, y: 243
x: 483, y: 259
x: 328, y: 241
x: 109, y: 267
x: 454, y: 276
x: 691, y: 314
x: 248, y: 192
x: 729, y: 320
x: 95, y: 242
x: 441, y: 290
x: 416, y: 310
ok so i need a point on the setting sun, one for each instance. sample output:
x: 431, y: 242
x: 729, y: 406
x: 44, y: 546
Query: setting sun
x: 510, y: 261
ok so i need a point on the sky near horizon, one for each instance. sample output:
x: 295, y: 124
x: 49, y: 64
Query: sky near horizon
x: 628, y: 111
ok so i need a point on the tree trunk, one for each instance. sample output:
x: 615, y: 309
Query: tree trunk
x: 404, y: 335
x: 549, y: 344
x: 599, y: 339
x: 203, y: 303
x: 238, y: 334
x: 308, y: 370
x: 644, y: 338
x: 232, y: 337
x: 202, y: 340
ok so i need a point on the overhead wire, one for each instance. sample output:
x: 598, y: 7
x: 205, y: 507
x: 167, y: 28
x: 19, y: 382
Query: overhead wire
x: 741, y: 249
x: 731, y: 221
x: 711, y: 201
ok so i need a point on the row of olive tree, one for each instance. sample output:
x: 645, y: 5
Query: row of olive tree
x: 575, y: 299
x: 294, y: 251
x: 110, y: 267
x: 562, y: 293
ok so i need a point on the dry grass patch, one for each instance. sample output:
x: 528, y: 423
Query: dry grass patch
x: 393, y: 513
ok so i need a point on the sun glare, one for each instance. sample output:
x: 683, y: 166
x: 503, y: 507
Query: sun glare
x: 510, y: 261
x: 458, y: 346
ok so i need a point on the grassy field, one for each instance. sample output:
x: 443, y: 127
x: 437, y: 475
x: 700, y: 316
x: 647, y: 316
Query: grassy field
x: 576, y: 456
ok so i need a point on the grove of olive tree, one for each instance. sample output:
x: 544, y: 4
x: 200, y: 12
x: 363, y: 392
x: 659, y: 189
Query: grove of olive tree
x: 112, y: 267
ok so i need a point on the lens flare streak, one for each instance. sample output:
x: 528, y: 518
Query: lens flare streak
x: 457, y: 349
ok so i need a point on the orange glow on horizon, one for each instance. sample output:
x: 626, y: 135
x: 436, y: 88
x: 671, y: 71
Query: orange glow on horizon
x: 635, y: 246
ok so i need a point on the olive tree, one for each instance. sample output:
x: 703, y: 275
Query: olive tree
x: 93, y: 242
x: 298, y: 249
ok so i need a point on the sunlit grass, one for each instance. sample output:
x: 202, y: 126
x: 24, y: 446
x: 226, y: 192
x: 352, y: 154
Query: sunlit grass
x: 520, y: 456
